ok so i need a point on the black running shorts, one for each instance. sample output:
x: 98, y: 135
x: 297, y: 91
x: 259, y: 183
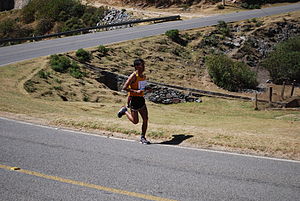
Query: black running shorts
x: 136, y: 102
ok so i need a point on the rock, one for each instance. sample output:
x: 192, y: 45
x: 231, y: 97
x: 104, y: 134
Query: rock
x: 164, y: 95
x: 115, y: 16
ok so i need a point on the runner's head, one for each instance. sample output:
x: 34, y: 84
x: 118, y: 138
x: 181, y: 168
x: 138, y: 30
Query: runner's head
x: 139, y: 64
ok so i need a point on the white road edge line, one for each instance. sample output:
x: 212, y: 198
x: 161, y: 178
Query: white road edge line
x: 172, y: 146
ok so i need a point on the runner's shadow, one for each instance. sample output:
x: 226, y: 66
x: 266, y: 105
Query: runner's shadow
x: 177, y: 139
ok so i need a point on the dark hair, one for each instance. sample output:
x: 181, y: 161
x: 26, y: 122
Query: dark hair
x: 138, y: 62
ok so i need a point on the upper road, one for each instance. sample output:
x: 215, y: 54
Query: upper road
x: 15, y: 53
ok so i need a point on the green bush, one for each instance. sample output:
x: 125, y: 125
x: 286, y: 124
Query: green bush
x: 43, y: 74
x: 6, y: 27
x: 103, y: 50
x: 29, y: 86
x: 92, y: 15
x: 43, y: 9
x: 60, y: 63
x: 223, y: 28
x: 174, y: 36
x: 43, y: 26
x: 283, y: 63
x: 63, y: 64
x: 230, y: 75
x: 51, y: 16
x: 210, y: 40
x: 85, y: 98
x: 83, y: 55
x: 72, y: 24
x: 28, y: 12
x: 75, y: 71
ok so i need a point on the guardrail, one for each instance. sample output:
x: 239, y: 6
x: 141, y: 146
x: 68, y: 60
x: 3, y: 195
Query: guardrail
x: 155, y: 20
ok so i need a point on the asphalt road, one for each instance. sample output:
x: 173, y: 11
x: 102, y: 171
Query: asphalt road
x: 26, y: 51
x: 58, y: 164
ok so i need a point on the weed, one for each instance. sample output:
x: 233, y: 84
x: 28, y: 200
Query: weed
x: 156, y: 134
x: 29, y: 86
x: 85, y: 98
x: 43, y: 74
x: 103, y: 50
x: 57, y: 80
x: 58, y: 88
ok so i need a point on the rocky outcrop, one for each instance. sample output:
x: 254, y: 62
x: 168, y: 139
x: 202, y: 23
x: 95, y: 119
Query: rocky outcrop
x: 257, y: 46
x: 19, y: 4
x: 114, y: 16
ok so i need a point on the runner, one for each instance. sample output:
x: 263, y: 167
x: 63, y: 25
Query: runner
x: 135, y: 86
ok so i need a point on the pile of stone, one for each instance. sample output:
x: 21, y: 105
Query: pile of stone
x: 116, y: 16
x: 164, y: 95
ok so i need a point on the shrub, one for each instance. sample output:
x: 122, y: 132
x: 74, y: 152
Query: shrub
x: 75, y: 71
x: 6, y: 27
x: 83, y: 55
x: 43, y: 74
x: 223, y: 28
x: 85, y: 98
x: 53, y: 16
x: 29, y: 86
x: 60, y: 63
x: 174, y: 36
x: 103, y: 50
x: 42, y: 9
x: 43, y: 26
x: 92, y: 15
x: 28, y: 12
x: 283, y: 63
x: 210, y: 40
x: 72, y: 24
x: 230, y: 75
x: 253, y: 4
x: 63, y: 64
x: 220, y: 6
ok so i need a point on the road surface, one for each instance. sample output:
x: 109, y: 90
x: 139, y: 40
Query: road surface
x: 57, y: 164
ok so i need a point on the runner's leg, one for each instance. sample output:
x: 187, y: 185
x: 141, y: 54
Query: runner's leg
x: 133, y: 116
x: 144, y: 113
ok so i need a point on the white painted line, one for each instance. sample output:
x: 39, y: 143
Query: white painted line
x: 165, y: 145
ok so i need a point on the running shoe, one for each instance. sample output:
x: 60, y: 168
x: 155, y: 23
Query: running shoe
x: 144, y: 140
x: 122, y: 111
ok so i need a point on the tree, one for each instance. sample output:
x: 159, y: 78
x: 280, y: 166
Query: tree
x: 283, y: 63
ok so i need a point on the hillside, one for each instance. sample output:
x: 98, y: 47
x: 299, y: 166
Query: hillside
x: 171, y: 63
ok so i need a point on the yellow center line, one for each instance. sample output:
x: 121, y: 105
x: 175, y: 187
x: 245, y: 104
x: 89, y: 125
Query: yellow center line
x: 79, y: 183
